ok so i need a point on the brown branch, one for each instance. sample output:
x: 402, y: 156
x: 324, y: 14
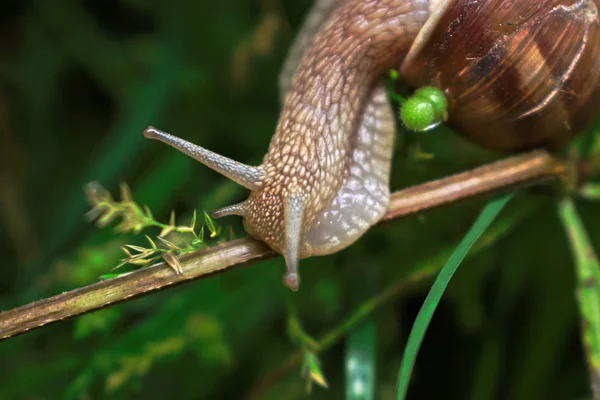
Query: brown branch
x: 525, y: 169
x: 520, y: 170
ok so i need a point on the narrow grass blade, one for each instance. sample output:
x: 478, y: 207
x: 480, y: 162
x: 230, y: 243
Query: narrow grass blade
x: 434, y: 296
x: 590, y: 191
x: 587, y: 268
x: 361, y: 345
x: 360, y: 362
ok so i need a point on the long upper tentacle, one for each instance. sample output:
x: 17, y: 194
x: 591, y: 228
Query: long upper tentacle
x: 249, y: 177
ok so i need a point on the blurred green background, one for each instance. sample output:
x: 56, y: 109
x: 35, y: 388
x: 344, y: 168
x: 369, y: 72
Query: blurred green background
x: 80, y: 80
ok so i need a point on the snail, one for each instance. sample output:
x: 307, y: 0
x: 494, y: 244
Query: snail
x: 518, y: 75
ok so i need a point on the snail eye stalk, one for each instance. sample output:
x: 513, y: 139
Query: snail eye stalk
x: 249, y: 177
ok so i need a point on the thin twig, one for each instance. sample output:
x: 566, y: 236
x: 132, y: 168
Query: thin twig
x: 520, y: 170
x: 525, y: 169
x: 126, y: 287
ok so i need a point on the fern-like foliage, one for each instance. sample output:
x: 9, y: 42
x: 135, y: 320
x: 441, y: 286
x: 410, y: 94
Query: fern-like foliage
x: 174, y: 240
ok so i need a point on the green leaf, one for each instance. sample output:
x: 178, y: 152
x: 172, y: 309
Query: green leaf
x: 587, y: 268
x: 193, y: 222
x: 360, y: 362
x: 434, y: 296
x: 210, y: 223
x: 361, y: 345
x: 152, y: 243
x: 590, y: 191
x: 312, y: 370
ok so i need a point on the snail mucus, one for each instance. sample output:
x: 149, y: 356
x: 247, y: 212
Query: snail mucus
x: 518, y: 75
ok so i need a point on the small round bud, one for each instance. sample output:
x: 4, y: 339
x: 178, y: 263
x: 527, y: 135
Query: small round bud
x: 417, y: 114
x: 437, y: 98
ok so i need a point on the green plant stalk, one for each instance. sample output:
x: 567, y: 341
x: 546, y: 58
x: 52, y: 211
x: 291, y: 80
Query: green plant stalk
x: 311, y: 369
x: 362, y: 341
x: 434, y: 296
x: 298, y: 334
x: 417, y: 274
x: 590, y: 191
x: 361, y: 353
x: 587, y: 268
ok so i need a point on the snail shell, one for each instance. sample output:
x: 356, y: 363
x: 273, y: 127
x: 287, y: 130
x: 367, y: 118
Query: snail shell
x: 325, y: 178
x: 518, y: 74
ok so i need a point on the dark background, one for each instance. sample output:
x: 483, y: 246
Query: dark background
x: 80, y: 80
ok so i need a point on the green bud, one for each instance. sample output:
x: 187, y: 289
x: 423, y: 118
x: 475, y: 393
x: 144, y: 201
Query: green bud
x: 437, y: 98
x: 417, y: 113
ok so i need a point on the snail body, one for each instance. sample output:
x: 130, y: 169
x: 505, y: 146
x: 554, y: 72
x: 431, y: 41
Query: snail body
x: 325, y: 178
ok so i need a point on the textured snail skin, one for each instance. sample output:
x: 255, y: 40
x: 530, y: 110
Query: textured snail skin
x: 325, y: 178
